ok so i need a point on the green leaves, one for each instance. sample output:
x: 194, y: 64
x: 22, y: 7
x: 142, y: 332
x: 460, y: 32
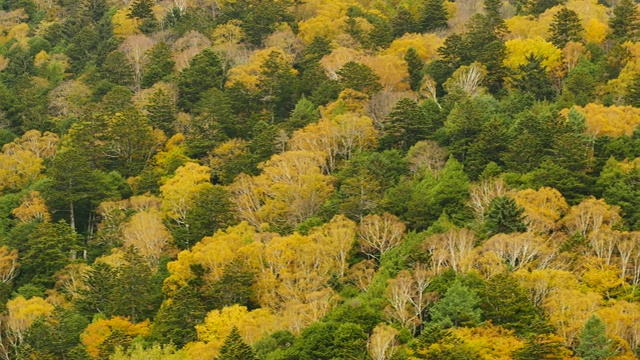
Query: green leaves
x: 458, y: 307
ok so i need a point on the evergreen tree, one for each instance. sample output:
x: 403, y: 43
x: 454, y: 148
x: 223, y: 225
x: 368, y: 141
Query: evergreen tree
x: 594, y: 343
x: 135, y: 294
x: 458, y: 307
x: 234, y: 348
x: 625, y: 23
x: 359, y: 77
x: 565, y: 27
x: 633, y: 92
x: 303, y: 114
x: 175, y: 321
x: 96, y: 297
x: 159, y: 66
x: 350, y: 342
x: 161, y: 112
x: 204, y: 72
x: 537, y: 7
x: 490, y: 144
x: 415, y: 66
x: 504, y: 216
x: 433, y: 16
x: 406, y: 124
x: 45, y: 250
x: 56, y: 337
x: 506, y: 303
x: 118, y: 70
x: 403, y: 23
x: 541, y: 347
x: 381, y: 35
x: 533, y: 78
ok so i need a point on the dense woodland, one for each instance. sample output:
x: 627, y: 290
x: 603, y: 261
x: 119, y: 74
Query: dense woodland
x: 319, y: 179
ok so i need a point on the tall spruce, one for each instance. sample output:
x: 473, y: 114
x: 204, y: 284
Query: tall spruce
x: 415, y: 66
x: 625, y: 23
x: 433, y: 16
x: 594, y: 343
x: 565, y: 27
x: 234, y: 348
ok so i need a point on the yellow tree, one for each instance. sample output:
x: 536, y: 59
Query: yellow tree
x: 290, y: 189
x: 8, y: 264
x: 379, y: 234
x: 328, y: 21
x: 426, y: 45
x: 543, y: 208
x: 293, y: 267
x: 407, y: 298
x: 213, y: 253
x: 520, y: 251
x: 33, y: 207
x: 622, y: 319
x: 481, y: 194
x: 453, y: 249
x: 541, y: 282
x: 591, y: 215
x: 96, y: 336
x: 492, y: 342
x: 18, y: 169
x: 339, y: 236
x: 252, y: 325
x: 568, y: 310
x: 251, y: 73
x: 21, y: 313
x: 42, y: 145
x: 146, y: 232
x: 383, y: 342
x: 519, y: 49
x: 613, y: 121
x: 178, y: 193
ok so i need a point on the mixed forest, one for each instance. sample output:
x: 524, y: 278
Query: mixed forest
x: 319, y: 179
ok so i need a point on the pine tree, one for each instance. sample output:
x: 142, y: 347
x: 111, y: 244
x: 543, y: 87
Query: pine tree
x: 541, y: 347
x: 403, y: 23
x: 415, y: 66
x: 204, y: 72
x: 594, y: 343
x: 565, y: 27
x: 359, y: 77
x: 159, y: 65
x: 505, y: 216
x: 633, y: 95
x: 406, y: 125
x: 433, y: 16
x: 458, y: 307
x: 234, y: 348
x: 161, y: 112
x: 141, y: 9
x: 625, y: 23
x: 533, y: 79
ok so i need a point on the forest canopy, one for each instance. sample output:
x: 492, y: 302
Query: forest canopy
x: 341, y: 179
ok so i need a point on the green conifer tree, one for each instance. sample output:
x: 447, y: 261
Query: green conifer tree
x: 458, y: 307
x: 433, y: 16
x: 234, y: 348
x: 594, y: 343
x: 625, y: 23
x: 504, y: 216
x: 633, y: 92
x: 415, y: 65
x: 565, y: 27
